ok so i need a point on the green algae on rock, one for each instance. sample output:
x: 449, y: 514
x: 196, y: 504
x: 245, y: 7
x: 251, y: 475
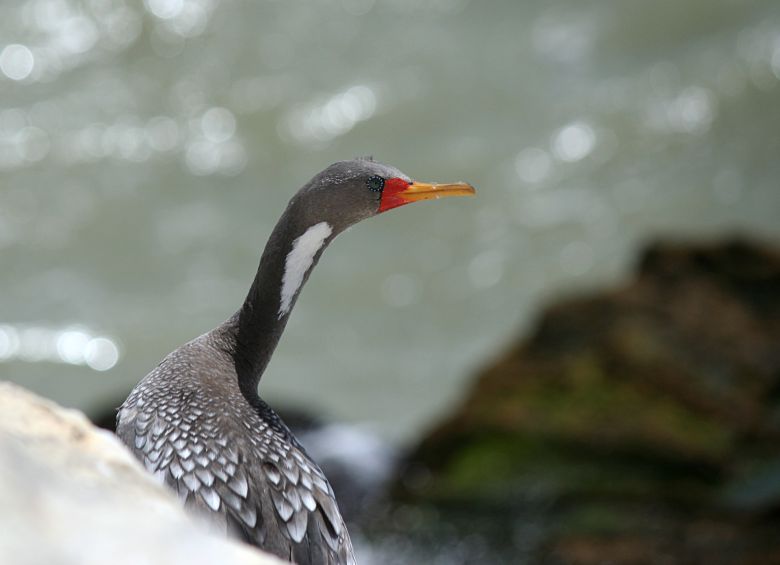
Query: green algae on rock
x: 637, y: 414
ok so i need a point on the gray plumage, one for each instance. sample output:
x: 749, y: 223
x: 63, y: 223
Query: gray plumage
x: 189, y: 424
x: 197, y: 422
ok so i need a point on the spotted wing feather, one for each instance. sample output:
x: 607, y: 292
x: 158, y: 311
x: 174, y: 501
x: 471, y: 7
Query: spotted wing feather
x: 260, y: 485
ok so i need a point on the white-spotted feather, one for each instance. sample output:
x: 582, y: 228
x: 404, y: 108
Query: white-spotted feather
x: 258, y: 484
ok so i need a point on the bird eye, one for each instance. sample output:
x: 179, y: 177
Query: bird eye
x: 375, y: 183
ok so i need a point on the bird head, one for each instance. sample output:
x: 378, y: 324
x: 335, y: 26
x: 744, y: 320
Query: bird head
x: 350, y: 191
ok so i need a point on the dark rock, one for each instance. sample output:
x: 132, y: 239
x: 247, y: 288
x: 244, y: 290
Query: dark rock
x: 647, y: 418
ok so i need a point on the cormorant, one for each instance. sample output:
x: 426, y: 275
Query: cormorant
x: 196, y: 420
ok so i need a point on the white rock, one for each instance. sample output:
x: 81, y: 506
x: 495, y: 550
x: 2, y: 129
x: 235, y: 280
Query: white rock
x: 71, y: 494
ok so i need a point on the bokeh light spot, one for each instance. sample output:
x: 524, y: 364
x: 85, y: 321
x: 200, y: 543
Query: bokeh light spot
x: 16, y: 61
x: 574, y: 142
x: 71, y: 346
x: 101, y: 354
x: 218, y: 124
x: 74, y: 345
x: 165, y: 9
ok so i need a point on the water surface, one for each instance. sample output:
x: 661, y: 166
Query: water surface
x: 146, y: 150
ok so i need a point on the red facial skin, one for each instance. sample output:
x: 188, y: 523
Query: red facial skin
x: 391, y: 194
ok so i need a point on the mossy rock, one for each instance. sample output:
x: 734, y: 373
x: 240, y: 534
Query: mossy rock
x: 505, y: 469
x: 654, y: 405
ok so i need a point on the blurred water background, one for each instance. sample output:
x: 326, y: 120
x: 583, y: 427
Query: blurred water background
x: 147, y: 149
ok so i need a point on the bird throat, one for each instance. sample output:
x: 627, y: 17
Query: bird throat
x: 298, y: 262
x: 288, y: 259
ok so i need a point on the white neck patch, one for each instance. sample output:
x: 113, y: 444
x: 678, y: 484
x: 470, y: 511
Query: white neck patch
x: 298, y: 261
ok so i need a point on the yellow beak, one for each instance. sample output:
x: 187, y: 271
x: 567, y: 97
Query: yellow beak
x: 432, y: 191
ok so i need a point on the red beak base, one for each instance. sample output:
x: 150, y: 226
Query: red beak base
x: 398, y: 192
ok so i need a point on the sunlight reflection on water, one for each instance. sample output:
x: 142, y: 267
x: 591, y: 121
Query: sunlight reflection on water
x: 74, y: 345
x: 16, y: 61
x: 147, y: 148
x: 322, y: 121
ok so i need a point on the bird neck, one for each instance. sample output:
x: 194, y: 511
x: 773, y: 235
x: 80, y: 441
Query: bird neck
x: 290, y: 255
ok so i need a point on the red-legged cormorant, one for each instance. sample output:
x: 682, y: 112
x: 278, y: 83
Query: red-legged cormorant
x: 197, y: 422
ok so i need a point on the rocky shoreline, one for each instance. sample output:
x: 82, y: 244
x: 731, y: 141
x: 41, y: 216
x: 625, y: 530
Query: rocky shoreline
x: 637, y: 425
